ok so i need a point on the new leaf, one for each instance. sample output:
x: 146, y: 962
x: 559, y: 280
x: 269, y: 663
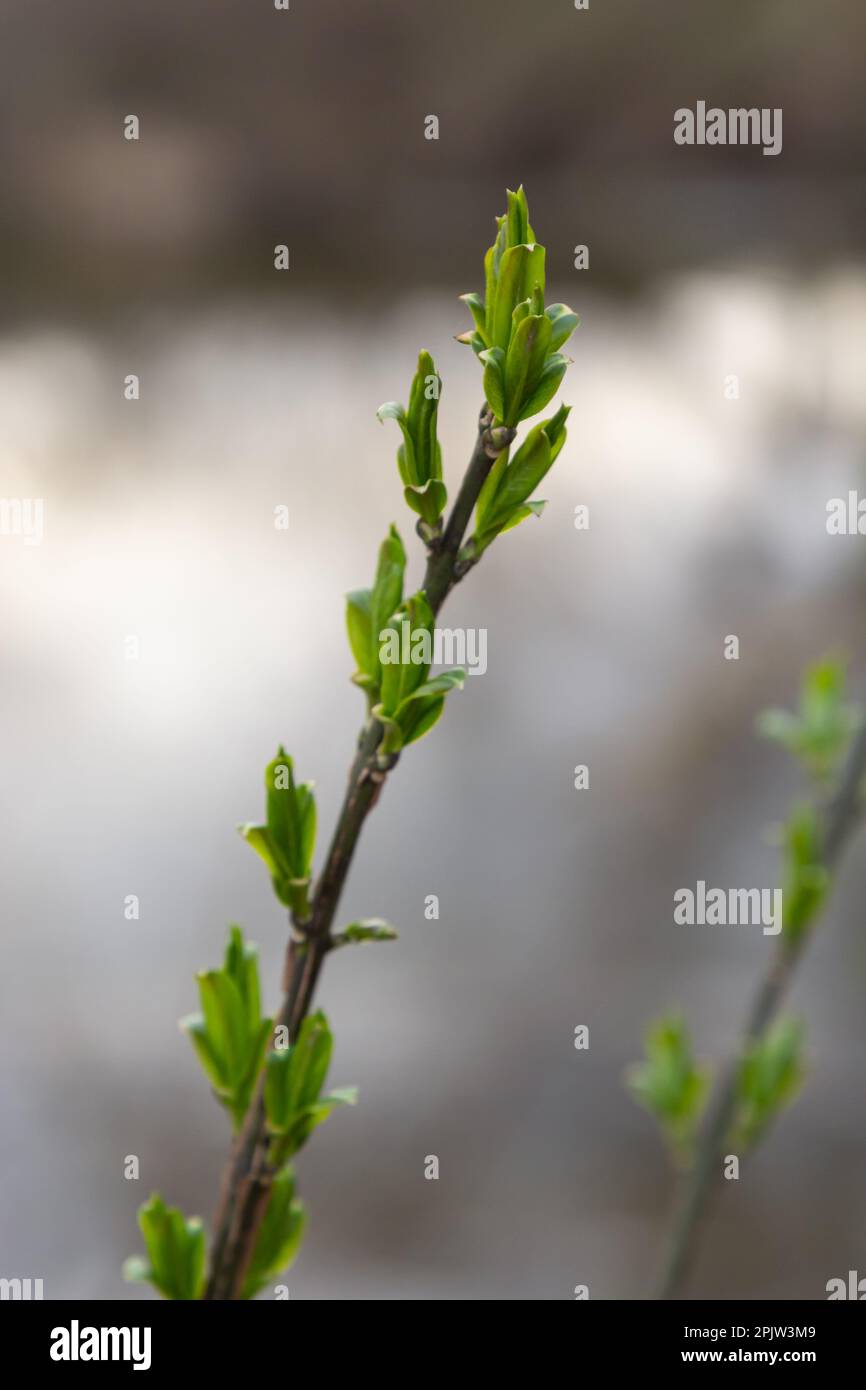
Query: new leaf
x: 286, y: 841
x: 175, y: 1252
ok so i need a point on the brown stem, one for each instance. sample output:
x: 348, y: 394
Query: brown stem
x: 840, y: 819
x: 442, y: 572
x: 248, y: 1174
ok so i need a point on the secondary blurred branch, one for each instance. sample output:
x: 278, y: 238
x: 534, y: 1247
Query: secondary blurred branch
x: 838, y: 821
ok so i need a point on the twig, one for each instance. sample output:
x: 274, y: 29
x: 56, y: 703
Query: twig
x: 248, y: 1175
x: 839, y: 821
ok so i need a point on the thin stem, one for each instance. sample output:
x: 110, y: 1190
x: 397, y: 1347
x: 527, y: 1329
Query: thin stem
x: 443, y: 571
x: 840, y: 819
x: 248, y: 1174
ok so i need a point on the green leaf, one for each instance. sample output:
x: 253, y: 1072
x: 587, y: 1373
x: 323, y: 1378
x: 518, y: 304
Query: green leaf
x: 368, y: 929
x: 412, y: 627
x: 547, y: 386
x: 521, y: 271
x: 214, y: 1023
x: 521, y: 311
x: 475, y: 305
x: 494, y: 382
x: 423, y: 414
x: 533, y: 508
x: 419, y: 457
x: 258, y: 838
x: 286, y: 888
x: 487, y: 495
x: 564, y: 322
x: 277, y: 1102
x: 523, y: 474
x: 820, y: 733
x: 295, y: 1075
x: 307, y: 812
x: 287, y: 842
x: 368, y: 610
x: 428, y: 501
x: 502, y: 501
x: 556, y: 432
x: 343, y: 1095
x: 387, y: 592
x: 473, y: 340
x: 311, y: 1116
x: 256, y: 1052
x: 492, y: 262
x: 670, y: 1084
x: 416, y: 720
x: 280, y: 1234
x: 222, y: 1000
x: 175, y: 1252
x: 242, y: 966
x: 418, y: 711
x: 359, y: 627
x: 517, y: 215
x: 527, y: 354
x: 441, y: 684
x: 391, y: 410
x: 769, y: 1077
x: 806, y: 881
x: 290, y: 815
x: 419, y: 718
x: 294, y: 1078
x: 229, y: 1035
x: 212, y: 1065
x: 310, y: 1059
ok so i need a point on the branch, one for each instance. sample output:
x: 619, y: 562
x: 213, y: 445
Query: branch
x: 841, y: 818
x: 248, y: 1175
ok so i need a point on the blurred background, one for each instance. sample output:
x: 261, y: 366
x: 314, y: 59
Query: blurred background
x: 605, y: 647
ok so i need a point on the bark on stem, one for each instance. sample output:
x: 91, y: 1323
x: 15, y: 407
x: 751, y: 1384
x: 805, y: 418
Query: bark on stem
x: 248, y: 1175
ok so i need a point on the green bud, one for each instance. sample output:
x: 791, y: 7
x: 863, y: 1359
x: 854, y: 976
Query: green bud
x: 294, y: 1077
x: 564, y: 321
x: 175, y: 1263
x: 419, y: 457
x: 524, y: 364
x: 515, y: 337
x: 410, y: 703
x: 503, y: 501
x: 820, y: 733
x: 806, y: 881
x: 286, y: 842
x: 280, y: 1234
x: 368, y: 611
x: 369, y: 929
x: 768, y: 1079
x: 406, y: 640
x: 671, y: 1085
x: 229, y: 1035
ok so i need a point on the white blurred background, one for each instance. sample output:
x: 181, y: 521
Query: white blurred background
x: 707, y: 517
